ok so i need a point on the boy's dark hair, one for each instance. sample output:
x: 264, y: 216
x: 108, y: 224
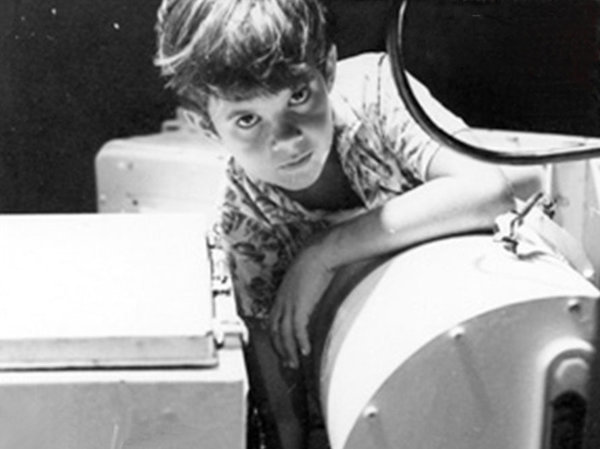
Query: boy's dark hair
x: 238, y: 49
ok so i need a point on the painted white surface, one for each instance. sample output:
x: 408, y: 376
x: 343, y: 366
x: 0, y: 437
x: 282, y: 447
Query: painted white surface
x: 104, y: 276
x: 414, y: 298
x: 174, y: 171
x: 140, y: 409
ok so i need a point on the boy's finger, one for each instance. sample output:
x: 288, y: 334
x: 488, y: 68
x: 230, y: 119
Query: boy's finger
x: 288, y: 340
x: 275, y: 334
x: 301, y: 333
x: 277, y: 344
x: 303, y: 339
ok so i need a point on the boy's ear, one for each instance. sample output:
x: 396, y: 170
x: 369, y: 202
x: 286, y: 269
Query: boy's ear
x: 330, y: 66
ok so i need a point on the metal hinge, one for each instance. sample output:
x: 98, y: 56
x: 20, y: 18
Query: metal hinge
x: 227, y: 327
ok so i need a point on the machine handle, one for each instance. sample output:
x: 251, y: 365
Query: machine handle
x: 578, y: 148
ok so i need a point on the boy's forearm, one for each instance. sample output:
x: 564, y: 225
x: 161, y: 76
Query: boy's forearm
x: 441, y: 207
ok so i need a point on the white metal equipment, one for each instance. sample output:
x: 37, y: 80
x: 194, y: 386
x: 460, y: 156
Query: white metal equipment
x: 173, y: 171
x: 457, y: 344
x: 111, y: 336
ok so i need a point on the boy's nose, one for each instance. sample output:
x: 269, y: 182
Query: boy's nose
x: 286, y: 130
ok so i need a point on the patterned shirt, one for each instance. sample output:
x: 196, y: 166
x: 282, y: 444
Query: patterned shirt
x: 383, y: 153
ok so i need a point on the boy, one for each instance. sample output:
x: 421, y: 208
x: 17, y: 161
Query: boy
x: 327, y: 167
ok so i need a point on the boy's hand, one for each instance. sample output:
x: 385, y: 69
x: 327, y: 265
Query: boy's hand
x: 301, y: 289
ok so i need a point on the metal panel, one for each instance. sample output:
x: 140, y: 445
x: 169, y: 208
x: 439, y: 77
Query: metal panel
x: 104, y: 290
x: 114, y: 409
x: 173, y: 171
x: 575, y: 187
x: 591, y: 224
x: 447, y: 345
x: 107, y: 336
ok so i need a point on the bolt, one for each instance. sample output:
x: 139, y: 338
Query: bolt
x: 574, y: 306
x: 371, y: 411
x: 125, y: 165
x: 457, y: 333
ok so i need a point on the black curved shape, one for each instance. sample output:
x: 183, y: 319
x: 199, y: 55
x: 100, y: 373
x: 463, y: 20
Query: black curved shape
x: 579, y: 151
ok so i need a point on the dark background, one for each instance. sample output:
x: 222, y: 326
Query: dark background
x: 75, y: 74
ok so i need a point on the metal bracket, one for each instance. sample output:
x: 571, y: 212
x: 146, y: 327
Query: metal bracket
x: 507, y: 225
x: 227, y: 326
x: 541, y: 235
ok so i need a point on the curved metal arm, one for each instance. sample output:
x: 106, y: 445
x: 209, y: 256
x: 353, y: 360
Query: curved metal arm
x: 579, y: 148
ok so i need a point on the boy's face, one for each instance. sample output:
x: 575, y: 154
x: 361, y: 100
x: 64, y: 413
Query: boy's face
x: 282, y: 139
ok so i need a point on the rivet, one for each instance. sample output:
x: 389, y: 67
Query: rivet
x: 167, y: 412
x: 457, y: 333
x: 125, y: 165
x: 574, y: 305
x: 371, y: 411
x: 589, y: 273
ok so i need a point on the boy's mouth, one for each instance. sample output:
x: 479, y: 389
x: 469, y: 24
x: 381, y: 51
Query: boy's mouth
x: 297, y: 161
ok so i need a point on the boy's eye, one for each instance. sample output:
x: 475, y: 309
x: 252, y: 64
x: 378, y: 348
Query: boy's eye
x: 300, y: 96
x: 247, y: 121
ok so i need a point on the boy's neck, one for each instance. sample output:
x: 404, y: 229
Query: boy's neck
x: 331, y: 191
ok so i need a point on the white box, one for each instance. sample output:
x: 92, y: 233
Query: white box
x: 108, y: 336
x: 178, y: 171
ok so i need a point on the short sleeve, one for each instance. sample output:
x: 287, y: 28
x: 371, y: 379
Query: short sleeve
x: 257, y: 260
x: 413, y: 146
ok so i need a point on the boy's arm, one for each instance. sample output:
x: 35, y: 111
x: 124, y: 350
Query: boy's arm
x: 461, y: 195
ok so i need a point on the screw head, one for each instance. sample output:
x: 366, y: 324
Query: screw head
x: 371, y: 411
x: 574, y: 305
x: 457, y: 333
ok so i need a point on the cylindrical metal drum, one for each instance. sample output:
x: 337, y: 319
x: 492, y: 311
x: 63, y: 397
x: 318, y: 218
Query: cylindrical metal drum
x: 456, y: 344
